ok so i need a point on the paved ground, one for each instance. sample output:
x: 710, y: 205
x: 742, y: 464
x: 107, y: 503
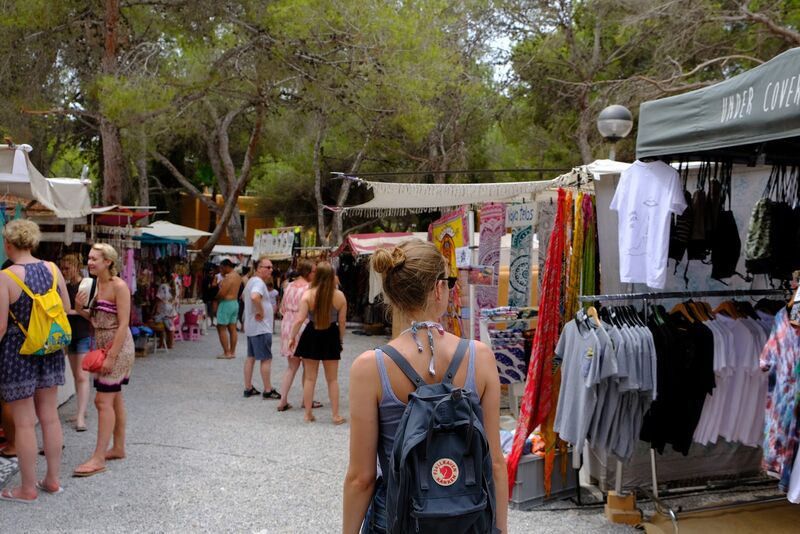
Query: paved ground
x: 204, y: 459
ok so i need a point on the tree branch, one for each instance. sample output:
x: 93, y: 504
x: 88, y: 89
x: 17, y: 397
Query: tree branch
x: 189, y: 186
x: 231, y: 202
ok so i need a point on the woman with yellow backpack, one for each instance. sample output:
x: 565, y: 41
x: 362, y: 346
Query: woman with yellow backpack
x: 29, y: 375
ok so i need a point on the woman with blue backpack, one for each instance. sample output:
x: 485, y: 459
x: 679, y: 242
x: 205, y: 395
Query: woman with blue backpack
x: 427, y: 406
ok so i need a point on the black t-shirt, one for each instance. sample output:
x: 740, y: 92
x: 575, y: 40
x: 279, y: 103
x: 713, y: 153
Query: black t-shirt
x: 80, y: 326
x: 685, y: 367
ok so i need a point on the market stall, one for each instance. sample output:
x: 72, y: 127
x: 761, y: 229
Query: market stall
x: 715, y: 235
x: 360, y: 284
x: 66, y: 199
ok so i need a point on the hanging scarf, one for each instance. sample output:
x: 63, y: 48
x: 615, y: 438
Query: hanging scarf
x: 538, y: 389
x: 590, y: 264
x: 575, y: 258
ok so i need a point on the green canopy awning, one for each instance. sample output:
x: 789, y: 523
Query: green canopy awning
x: 732, y: 119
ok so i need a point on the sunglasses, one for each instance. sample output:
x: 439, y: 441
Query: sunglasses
x: 451, y: 280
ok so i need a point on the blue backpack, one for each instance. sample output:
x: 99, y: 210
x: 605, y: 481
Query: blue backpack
x: 440, y: 476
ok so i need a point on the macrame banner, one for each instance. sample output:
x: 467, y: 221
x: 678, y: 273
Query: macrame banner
x: 400, y: 198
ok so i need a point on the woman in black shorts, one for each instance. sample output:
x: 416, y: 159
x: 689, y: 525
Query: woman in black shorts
x: 325, y: 307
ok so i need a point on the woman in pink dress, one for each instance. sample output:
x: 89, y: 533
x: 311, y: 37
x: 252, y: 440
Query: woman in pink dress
x: 289, y: 306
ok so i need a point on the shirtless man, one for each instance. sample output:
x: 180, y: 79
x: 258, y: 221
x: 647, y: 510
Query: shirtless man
x: 228, y: 309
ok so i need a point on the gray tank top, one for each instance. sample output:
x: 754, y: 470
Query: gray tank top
x: 391, y: 409
x: 334, y: 316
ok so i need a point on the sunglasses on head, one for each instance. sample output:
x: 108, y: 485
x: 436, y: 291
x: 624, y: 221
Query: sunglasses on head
x: 451, y: 281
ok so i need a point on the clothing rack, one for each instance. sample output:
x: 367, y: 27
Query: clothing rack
x: 656, y: 295
x: 661, y: 295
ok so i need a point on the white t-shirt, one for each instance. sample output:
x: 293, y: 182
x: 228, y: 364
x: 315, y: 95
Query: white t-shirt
x: 256, y: 286
x: 646, y: 196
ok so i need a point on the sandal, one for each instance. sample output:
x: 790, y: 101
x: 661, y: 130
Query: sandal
x: 285, y: 407
x: 271, y: 394
x: 8, y: 495
x: 339, y: 420
x: 314, y: 404
x: 40, y: 486
x: 83, y: 474
x: 310, y: 419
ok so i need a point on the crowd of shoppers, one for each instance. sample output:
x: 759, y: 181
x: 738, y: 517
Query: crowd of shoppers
x: 313, y: 310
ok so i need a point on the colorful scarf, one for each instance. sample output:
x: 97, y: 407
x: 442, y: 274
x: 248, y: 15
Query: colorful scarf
x: 538, y: 390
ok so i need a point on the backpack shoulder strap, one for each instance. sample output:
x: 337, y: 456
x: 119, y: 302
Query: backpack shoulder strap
x: 55, y: 275
x: 27, y: 290
x: 461, y: 350
x: 403, y: 364
x: 19, y: 282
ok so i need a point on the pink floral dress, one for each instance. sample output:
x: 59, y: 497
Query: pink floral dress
x: 291, y: 305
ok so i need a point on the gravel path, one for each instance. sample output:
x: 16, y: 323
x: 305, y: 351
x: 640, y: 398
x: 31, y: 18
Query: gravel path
x: 204, y: 459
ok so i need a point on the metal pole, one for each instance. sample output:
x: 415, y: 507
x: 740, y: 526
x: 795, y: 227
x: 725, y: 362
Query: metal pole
x: 618, y: 482
x: 653, y: 471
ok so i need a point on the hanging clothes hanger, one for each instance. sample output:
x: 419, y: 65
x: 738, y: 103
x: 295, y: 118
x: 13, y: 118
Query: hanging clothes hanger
x: 728, y: 308
x: 682, y: 309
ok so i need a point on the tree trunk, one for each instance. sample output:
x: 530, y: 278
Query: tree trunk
x: 337, y: 233
x: 114, y: 171
x: 141, y: 171
x: 232, y: 199
x: 235, y: 230
x: 114, y: 168
x: 322, y: 229
x: 585, y: 122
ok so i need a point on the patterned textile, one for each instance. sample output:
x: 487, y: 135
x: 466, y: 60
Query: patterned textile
x: 290, y: 305
x: 105, y: 323
x: 545, y: 218
x: 510, y: 356
x: 493, y: 228
x: 537, y: 401
x: 519, y: 276
x: 449, y: 233
x: 781, y: 358
x: 21, y: 376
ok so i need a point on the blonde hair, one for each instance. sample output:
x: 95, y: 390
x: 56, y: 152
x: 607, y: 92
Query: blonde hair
x: 23, y: 234
x: 73, y: 259
x: 409, y: 273
x: 325, y: 284
x: 109, y: 253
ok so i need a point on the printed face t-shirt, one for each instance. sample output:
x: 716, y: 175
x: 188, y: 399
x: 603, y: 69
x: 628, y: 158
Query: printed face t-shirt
x: 646, y: 196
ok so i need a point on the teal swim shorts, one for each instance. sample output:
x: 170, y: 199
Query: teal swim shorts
x: 227, y: 312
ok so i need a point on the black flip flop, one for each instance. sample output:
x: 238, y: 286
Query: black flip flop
x: 285, y: 407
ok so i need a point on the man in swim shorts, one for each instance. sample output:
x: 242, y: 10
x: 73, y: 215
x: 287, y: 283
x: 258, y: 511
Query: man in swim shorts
x: 228, y: 308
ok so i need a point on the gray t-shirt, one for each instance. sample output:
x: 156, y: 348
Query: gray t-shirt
x: 580, y: 351
x: 252, y: 327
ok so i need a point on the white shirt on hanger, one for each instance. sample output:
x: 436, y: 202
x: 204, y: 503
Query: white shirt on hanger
x: 646, y: 196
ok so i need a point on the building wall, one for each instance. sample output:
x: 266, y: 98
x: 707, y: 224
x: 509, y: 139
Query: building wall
x: 196, y: 215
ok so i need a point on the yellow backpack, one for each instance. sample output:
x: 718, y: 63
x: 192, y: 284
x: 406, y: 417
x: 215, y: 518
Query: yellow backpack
x: 48, y: 330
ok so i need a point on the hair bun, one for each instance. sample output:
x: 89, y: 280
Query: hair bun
x: 384, y: 261
x: 398, y: 257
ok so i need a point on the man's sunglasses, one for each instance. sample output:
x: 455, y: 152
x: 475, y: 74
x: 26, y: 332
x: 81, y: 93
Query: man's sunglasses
x: 451, y: 281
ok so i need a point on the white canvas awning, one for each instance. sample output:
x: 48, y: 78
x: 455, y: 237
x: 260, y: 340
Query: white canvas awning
x: 68, y: 198
x: 400, y: 198
x: 231, y: 250
x: 170, y: 230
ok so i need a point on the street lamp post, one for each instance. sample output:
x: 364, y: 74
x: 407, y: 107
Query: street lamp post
x: 614, y: 123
